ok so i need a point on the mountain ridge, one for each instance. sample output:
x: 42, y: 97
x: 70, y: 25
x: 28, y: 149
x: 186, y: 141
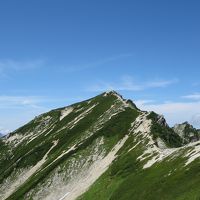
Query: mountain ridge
x: 100, y: 144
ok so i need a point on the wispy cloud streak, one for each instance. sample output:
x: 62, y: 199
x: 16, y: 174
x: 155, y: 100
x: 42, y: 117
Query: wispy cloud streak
x: 175, y: 112
x: 97, y: 63
x: 128, y: 84
x: 14, y: 65
x: 195, y: 96
x: 20, y: 101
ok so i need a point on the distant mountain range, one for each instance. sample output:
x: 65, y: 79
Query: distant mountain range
x: 104, y: 148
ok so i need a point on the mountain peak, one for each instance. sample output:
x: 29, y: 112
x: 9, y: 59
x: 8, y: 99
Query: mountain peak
x: 186, y: 123
x: 112, y: 92
x: 63, y: 153
x: 126, y: 102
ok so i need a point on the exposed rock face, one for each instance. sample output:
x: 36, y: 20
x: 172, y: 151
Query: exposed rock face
x: 161, y: 120
x: 130, y: 102
x: 187, y: 132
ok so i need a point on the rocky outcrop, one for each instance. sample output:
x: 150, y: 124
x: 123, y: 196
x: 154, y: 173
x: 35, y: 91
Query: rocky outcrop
x: 187, y: 132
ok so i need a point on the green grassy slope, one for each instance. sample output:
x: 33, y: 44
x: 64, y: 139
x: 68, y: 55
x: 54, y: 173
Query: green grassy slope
x: 83, y: 135
x: 69, y: 147
x: 127, y: 180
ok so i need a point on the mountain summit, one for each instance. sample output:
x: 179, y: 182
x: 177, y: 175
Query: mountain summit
x: 103, y: 148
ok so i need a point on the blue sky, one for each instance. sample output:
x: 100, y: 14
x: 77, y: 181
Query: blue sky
x: 57, y: 52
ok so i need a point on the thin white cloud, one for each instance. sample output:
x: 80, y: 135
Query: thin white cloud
x: 161, y: 83
x: 4, y: 131
x: 18, y: 110
x: 15, y: 65
x: 96, y: 63
x: 195, y: 120
x: 128, y: 84
x: 141, y: 102
x: 195, y: 96
x: 196, y: 84
x: 20, y: 101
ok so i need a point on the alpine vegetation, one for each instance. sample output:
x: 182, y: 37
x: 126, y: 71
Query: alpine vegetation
x: 104, y: 148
